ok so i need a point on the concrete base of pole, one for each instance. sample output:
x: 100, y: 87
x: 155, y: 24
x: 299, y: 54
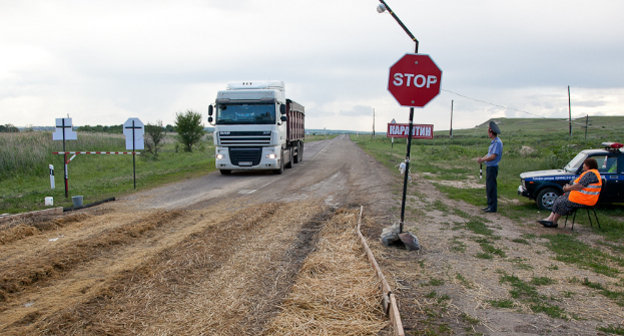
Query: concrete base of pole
x: 391, y: 236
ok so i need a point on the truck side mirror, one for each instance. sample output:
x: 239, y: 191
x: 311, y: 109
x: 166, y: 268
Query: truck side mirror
x: 210, y: 120
x: 283, y: 118
x: 283, y: 109
x: 210, y: 111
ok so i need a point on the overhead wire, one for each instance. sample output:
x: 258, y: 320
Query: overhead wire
x: 510, y: 108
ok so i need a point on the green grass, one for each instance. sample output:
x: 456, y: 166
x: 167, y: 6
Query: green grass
x: 527, y: 292
x: 549, y: 146
x: 447, y: 158
x: 617, y: 297
x: 570, y: 250
x: 95, y: 177
x: 505, y: 303
x: 612, y: 329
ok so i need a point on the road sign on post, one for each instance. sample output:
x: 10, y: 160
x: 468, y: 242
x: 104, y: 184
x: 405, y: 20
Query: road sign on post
x: 133, y: 130
x: 64, y: 132
x: 414, y: 80
x: 421, y: 131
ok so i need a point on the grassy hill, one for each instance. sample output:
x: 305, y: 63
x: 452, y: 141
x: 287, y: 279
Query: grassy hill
x: 597, y: 126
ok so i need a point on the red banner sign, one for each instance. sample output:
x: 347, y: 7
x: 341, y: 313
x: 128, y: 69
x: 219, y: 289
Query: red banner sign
x: 418, y: 131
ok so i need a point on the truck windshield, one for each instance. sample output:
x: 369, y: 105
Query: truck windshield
x: 575, y: 163
x: 246, y: 114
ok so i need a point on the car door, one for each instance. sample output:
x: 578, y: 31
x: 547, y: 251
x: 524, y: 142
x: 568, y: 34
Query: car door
x: 608, y: 168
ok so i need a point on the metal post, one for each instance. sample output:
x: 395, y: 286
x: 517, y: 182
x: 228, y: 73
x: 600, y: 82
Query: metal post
x: 411, y: 121
x: 407, y: 163
x: 451, y: 130
x: 400, y: 23
x: 133, y: 157
x: 569, y: 111
x: 65, y: 161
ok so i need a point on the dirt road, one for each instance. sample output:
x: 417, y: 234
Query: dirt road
x: 232, y: 255
x: 213, y: 255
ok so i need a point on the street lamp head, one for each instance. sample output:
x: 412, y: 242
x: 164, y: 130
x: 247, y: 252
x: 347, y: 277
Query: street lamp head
x: 381, y: 8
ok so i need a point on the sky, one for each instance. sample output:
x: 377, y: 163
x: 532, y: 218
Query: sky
x: 102, y: 62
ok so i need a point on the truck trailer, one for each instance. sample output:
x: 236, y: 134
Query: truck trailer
x: 256, y: 127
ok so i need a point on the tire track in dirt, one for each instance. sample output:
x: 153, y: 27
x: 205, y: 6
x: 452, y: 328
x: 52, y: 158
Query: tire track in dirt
x: 163, y: 288
x: 22, y: 271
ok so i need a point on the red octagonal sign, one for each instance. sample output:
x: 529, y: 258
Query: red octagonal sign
x: 414, y: 80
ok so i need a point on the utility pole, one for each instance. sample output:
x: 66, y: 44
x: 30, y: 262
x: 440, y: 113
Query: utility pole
x: 569, y: 111
x: 373, y: 122
x: 451, y: 130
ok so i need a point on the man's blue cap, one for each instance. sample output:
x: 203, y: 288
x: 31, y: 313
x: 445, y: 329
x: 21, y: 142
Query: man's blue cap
x: 494, y: 127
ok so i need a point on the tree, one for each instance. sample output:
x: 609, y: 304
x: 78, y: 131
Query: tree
x: 190, y: 129
x: 8, y: 128
x: 155, y: 137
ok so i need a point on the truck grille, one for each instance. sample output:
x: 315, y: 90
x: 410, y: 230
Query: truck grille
x: 245, y: 157
x: 245, y: 138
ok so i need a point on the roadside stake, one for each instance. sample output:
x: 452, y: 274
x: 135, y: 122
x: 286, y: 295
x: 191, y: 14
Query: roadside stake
x: 389, y: 299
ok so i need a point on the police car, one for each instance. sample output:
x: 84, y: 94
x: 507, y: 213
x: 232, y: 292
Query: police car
x: 544, y: 186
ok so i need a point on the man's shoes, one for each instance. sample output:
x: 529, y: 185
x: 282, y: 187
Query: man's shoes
x: 486, y: 208
x: 489, y: 210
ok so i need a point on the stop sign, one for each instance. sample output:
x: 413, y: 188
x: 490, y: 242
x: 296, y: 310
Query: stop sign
x: 414, y: 80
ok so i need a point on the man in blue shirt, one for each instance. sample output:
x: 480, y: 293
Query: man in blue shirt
x: 491, y: 159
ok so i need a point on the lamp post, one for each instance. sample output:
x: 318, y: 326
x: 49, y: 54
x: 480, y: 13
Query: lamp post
x: 382, y: 7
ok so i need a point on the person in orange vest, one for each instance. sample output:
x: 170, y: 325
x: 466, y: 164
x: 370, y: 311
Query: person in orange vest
x: 584, y: 191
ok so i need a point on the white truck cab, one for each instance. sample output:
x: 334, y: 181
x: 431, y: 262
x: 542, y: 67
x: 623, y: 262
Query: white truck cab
x: 253, y: 126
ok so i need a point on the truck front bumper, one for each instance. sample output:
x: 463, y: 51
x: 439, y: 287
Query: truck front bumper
x: 229, y: 158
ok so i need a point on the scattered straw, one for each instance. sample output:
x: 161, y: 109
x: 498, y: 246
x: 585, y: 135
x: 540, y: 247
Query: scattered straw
x: 336, y: 292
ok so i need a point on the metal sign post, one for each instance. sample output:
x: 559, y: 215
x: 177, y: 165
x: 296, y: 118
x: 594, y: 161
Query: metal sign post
x: 134, y: 130
x: 414, y: 80
x: 64, y: 132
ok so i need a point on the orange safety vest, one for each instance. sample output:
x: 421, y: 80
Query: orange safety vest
x: 588, y: 195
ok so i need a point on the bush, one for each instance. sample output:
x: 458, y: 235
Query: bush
x: 190, y: 129
x: 155, y: 136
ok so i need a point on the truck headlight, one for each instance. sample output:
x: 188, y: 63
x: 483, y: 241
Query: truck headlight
x: 271, y: 156
x: 219, y: 156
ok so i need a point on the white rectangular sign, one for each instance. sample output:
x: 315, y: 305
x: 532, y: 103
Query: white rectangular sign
x: 64, y: 127
x: 419, y: 131
x: 130, y: 127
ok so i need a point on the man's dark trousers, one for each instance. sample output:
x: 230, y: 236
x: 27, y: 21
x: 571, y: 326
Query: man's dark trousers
x: 490, y: 187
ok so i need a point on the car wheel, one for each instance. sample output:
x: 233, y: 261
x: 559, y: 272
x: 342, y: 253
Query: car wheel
x: 546, y: 197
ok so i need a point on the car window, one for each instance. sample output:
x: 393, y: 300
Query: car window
x: 606, y: 164
x: 612, y: 165
x: 575, y: 163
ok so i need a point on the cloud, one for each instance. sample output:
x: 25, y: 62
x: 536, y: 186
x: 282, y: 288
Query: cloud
x: 106, y: 61
x: 357, y: 111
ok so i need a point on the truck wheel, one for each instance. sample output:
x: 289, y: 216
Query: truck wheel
x: 225, y: 172
x: 290, y: 158
x: 281, y: 168
x: 299, y: 156
x: 546, y: 197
